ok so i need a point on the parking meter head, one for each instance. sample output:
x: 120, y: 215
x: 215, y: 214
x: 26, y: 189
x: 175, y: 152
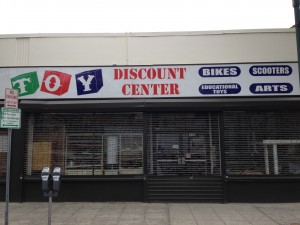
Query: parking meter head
x: 56, y: 171
x: 56, y: 174
x: 46, y: 170
x: 45, y: 179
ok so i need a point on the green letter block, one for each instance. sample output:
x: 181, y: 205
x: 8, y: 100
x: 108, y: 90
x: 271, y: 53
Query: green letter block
x: 26, y: 83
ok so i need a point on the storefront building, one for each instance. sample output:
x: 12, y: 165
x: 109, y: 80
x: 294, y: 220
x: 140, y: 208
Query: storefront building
x: 154, y: 117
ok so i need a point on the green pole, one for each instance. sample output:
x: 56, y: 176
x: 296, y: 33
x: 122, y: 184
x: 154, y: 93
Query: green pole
x: 296, y: 4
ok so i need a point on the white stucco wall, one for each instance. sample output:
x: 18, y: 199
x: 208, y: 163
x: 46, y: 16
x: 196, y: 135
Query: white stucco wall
x: 241, y: 46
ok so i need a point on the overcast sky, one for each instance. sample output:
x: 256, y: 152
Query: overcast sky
x: 119, y: 16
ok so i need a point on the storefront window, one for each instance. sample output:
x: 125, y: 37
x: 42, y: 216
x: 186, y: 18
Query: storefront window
x: 262, y: 143
x: 85, y: 143
x: 183, y: 144
x: 3, y: 151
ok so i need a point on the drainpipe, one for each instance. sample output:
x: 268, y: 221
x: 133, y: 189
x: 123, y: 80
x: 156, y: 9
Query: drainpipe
x: 296, y: 4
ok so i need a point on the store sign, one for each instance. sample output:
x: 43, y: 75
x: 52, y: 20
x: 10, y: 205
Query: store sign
x: 271, y: 70
x: 89, y: 82
x: 27, y: 83
x: 273, y: 79
x: 226, y: 89
x: 55, y: 82
x: 219, y: 71
x: 271, y: 88
x: 10, y: 118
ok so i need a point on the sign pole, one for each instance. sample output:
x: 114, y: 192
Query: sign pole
x: 8, y: 176
x: 10, y: 117
x: 296, y: 5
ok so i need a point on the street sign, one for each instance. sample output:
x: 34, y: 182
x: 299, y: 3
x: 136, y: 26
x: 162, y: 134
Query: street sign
x: 10, y: 118
x: 11, y: 98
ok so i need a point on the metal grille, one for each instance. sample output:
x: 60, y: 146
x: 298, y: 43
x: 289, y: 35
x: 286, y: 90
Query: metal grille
x: 183, y: 144
x: 262, y: 143
x: 3, y: 151
x: 85, y: 143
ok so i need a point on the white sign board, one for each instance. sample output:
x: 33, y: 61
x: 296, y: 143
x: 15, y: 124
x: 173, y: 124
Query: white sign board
x: 10, y: 118
x: 11, y: 98
x: 163, y: 81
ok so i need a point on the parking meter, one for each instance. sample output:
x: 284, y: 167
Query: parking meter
x: 50, y: 186
x: 45, y: 179
x: 56, y: 179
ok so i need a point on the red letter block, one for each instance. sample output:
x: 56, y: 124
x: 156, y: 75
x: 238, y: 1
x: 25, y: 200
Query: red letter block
x: 55, y: 82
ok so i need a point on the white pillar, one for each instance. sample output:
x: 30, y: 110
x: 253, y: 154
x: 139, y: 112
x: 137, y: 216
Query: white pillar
x: 275, y: 157
x: 266, y: 159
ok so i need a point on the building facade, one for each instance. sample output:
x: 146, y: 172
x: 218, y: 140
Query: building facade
x: 192, y: 116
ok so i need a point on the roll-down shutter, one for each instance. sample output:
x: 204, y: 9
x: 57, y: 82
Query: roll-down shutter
x: 262, y: 143
x: 183, y: 144
x: 3, y: 151
x: 85, y: 143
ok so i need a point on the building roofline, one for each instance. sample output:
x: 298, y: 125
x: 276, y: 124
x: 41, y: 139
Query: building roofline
x: 147, y: 34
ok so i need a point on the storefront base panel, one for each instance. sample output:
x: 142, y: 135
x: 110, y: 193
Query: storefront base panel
x: 88, y: 190
x: 2, y: 191
x: 163, y: 190
x: 185, y: 189
x: 263, y: 190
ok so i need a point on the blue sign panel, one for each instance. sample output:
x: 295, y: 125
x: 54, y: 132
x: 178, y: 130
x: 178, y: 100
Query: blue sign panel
x: 271, y: 88
x: 219, y: 89
x: 270, y: 70
x: 220, y: 71
x: 89, y: 82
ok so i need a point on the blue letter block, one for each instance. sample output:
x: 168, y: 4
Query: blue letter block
x: 89, y: 82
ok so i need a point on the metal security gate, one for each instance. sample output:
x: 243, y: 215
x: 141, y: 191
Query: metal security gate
x: 262, y: 143
x: 3, y: 151
x: 85, y: 144
x: 183, y: 157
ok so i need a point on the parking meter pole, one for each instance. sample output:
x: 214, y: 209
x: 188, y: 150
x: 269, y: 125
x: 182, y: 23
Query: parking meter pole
x: 50, y: 186
x: 50, y: 209
x: 7, y: 176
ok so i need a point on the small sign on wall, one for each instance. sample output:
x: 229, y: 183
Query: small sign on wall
x: 10, y: 118
x: 11, y: 98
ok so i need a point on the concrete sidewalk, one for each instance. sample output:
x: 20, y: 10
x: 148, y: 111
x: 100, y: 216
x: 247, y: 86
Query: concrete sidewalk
x: 152, y: 214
